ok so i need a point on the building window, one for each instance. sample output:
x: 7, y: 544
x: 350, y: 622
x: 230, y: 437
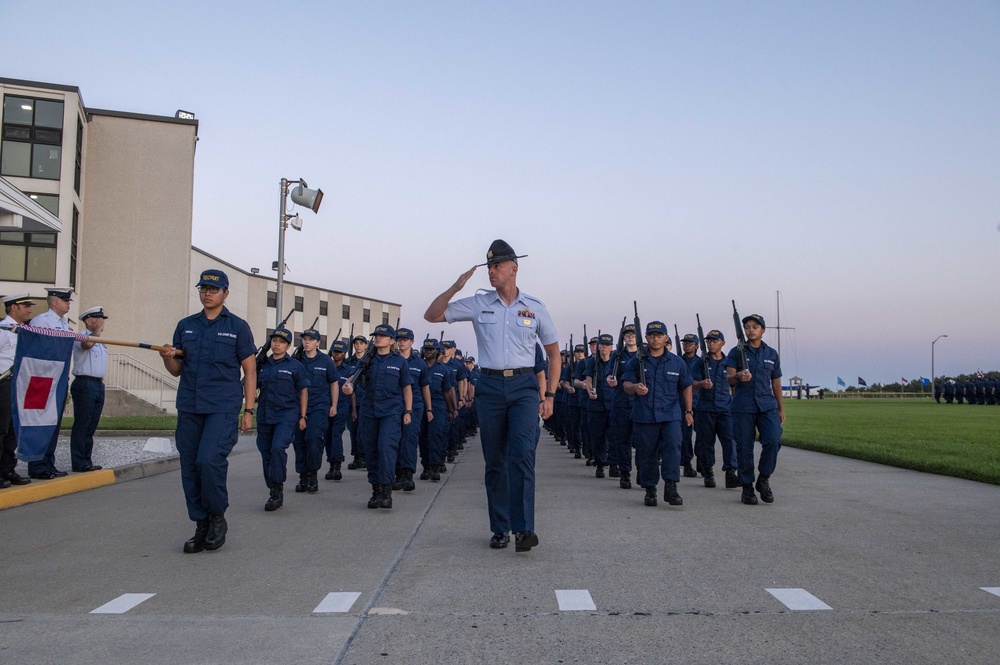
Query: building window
x: 78, y: 170
x: 298, y: 303
x: 385, y: 318
x: 366, y: 315
x: 48, y: 201
x: 322, y: 308
x: 32, y: 137
x: 272, y: 298
x: 27, y: 257
x: 347, y: 312
x: 73, y: 247
x: 322, y: 341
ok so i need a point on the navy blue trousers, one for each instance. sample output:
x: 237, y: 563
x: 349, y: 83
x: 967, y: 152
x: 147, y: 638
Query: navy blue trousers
x: 687, y: 443
x: 204, y: 441
x: 572, y: 426
x: 658, y: 444
x: 310, y: 442
x: 620, y: 438
x: 379, y: 439
x: 409, y: 441
x: 599, y: 423
x: 88, y: 403
x: 711, y: 424
x: 508, y: 419
x: 272, y: 442
x: 335, y: 438
x: 768, y: 425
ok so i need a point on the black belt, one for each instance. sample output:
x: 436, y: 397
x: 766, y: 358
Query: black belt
x: 90, y: 378
x: 507, y: 372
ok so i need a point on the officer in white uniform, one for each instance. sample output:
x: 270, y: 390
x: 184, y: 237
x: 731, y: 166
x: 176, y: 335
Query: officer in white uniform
x: 18, y: 311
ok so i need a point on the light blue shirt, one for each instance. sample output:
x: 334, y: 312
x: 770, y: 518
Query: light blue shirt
x: 90, y: 362
x: 506, y: 335
x: 48, y: 319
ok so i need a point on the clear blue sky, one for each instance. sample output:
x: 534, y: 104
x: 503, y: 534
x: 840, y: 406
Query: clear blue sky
x: 680, y: 154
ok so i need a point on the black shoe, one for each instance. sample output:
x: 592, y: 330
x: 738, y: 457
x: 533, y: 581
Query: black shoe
x: 337, y: 475
x: 435, y: 476
x: 689, y: 471
x: 709, y: 479
x: 329, y: 474
x: 588, y: 461
x: 14, y: 478
x: 451, y: 459
x: 461, y: 445
x: 362, y: 464
x: 397, y: 483
x: 650, y: 499
x: 732, y: 479
x: 45, y: 475
x: 670, y: 494
x: 625, y: 481
x: 197, y: 541
x: 764, y: 488
x: 524, y: 541
x: 376, y: 495
x: 748, y: 496
x: 303, y: 482
x: 312, y: 483
x: 577, y: 455
x: 4, y: 483
x: 354, y: 464
x: 408, y: 484
x: 385, y: 497
x: 600, y: 472
x: 426, y: 474
x: 499, y: 541
x: 277, y: 497
x: 442, y: 468
x: 217, y: 529
x: 614, y: 472
x: 58, y: 473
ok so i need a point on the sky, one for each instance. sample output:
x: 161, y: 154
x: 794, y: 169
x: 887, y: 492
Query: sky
x: 682, y: 155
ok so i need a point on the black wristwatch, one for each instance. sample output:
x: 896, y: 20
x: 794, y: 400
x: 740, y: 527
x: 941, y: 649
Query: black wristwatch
x: 549, y: 394
x: 691, y: 412
x: 250, y: 411
x: 408, y: 412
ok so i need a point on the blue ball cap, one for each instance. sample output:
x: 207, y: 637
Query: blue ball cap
x: 579, y: 348
x: 404, y: 333
x: 311, y: 332
x: 386, y: 330
x: 448, y: 344
x: 656, y: 327
x: 716, y: 334
x: 690, y: 337
x: 606, y: 339
x: 282, y: 333
x: 213, y: 277
x: 340, y: 345
x: 431, y: 344
x: 755, y: 317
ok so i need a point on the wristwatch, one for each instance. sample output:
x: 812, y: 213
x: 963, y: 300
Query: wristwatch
x: 549, y: 394
x: 691, y: 412
x: 250, y: 411
x: 409, y: 411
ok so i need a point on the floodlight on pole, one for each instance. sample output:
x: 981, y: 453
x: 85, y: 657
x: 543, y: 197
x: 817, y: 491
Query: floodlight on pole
x: 303, y: 196
x: 932, y: 360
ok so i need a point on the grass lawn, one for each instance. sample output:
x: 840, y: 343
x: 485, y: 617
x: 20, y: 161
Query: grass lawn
x: 130, y: 422
x: 947, y: 439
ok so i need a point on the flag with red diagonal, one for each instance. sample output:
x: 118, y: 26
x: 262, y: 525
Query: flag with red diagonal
x: 41, y: 379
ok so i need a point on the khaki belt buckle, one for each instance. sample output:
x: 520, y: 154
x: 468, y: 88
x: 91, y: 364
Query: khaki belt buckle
x: 508, y: 373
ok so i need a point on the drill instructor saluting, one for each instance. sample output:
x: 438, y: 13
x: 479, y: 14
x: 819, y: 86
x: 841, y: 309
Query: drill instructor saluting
x: 508, y: 324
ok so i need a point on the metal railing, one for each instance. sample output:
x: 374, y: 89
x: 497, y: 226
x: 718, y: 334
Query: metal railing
x: 139, y: 379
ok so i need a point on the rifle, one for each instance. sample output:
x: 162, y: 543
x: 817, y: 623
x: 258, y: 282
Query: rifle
x: 640, y: 354
x: 360, y: 375
x: 704, y: 349
x: 299, y: 351
x: 598, y: 365
x: 741, y: 341
x: 262, y: 353
x: 677, y: 341
x: 619, y: 352
x: 586, y: 343
x: 339, y: 330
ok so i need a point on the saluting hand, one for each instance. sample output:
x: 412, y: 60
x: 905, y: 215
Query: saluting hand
x: 463, y: 278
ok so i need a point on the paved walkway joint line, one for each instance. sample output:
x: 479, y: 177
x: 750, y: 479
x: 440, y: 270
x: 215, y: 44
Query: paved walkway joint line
x: 340, y: 601
x: 574, y: 600
x: 798, y: 599
x: 123, y: 603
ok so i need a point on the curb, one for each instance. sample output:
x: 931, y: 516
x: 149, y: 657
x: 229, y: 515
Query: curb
x: 39, y: 490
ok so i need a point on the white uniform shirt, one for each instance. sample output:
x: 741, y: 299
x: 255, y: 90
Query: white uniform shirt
x: 90, y: 362
x: 506, y: 336
x: 8, y: 345
x: 48, y: 319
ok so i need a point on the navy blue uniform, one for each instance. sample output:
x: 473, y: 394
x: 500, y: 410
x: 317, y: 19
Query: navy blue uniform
x: 209, y: 396
x: 599, y: 409
x: 280, y: 383
x: 713, y: 416
x: 434, y: 434
x: 410, y: 441
x: 335, y: 434
x: 620, y: 435
x: 687, y: 442
x: 756, y: 408
x: 380, y: 415
x: 310, y: 442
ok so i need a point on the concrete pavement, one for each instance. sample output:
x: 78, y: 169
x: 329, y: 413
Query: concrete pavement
x: 900, y: 558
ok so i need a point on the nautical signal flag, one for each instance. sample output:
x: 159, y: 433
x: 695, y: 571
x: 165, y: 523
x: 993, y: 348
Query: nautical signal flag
x: 861, y: 382
x: 840, y: 382
x: 925, y: 381
x: 41, y: 379
x: 905, y: 382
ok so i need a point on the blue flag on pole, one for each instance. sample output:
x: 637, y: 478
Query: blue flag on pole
x: 925, y: 381
x: 861, y: 382
x: 41, y: 378
x: 840, y: 382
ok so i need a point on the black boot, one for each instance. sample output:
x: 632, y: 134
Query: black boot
x: 442, y: 468
x: 408, y: 484
x: 217, y: 529
x: 435, y: 474
x: 650, y: 499
x: 397, y: 484
x: 426, y: 474
x: 329, y: 474
x: 748, y: 497
x: 613, y: 471
x: 732, y: 479
x: 197, y: 542
x: 337, y: 475
x: 709, y: 478
x: 303, y: 482
x: 277, y: 498
x: 312, y: 483
x: 376, y: 494
x: 670, y: 494
x: 385, y: 497
x: 764, y: 488
x: 625, y: 481
x: 689, y: 471
x: 600, y: 472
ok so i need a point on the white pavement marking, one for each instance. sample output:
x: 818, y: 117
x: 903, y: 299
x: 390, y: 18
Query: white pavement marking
x: 995, y: 590
x: 574, y: 599
x: 798, y: 599
x: 340, y: 601
x: 123, y: 603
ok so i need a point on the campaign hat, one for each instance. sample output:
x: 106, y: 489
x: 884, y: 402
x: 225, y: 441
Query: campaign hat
x: 499, y: 252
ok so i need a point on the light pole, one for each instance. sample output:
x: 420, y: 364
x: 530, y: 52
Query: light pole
x: 310, y: 198
x: 932, y: 360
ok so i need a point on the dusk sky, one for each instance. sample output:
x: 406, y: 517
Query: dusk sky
x: 683, y: 155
